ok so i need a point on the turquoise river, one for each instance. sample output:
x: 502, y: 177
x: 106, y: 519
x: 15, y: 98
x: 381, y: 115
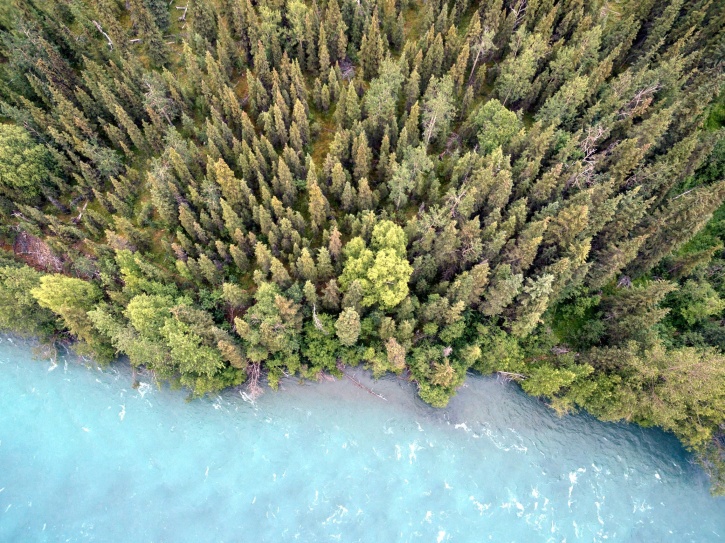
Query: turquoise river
x: 86, y: 457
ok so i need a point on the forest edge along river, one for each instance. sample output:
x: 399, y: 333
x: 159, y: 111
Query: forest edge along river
x: 86, y: 457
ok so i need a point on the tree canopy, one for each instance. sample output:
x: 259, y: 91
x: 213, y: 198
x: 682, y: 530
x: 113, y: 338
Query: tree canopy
x: 282, y: 188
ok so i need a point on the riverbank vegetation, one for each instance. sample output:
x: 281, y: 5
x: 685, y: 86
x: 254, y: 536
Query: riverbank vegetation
x: 222, y: 189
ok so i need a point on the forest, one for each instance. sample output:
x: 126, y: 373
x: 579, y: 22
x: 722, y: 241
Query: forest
x: 227, y: 192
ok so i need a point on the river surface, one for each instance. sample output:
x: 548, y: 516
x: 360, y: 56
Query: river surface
x: 86, y: 457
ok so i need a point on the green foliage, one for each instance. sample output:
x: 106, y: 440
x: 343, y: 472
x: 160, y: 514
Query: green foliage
x: 499, y: 351
x: 712, y: 459
x: 347, y: 327
x: 25, y: 166
x: 19, y: 309
x: 321, y: 346
x: 694, y: 303
x: 548, y: 381
x: 679, y: 390
x: 438, y: 109
x: 381, y: 272
x: 495, y: 126
x: 270, y: 328
x: 71, y: 299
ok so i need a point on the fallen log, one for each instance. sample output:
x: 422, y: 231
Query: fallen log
x: 359, y: 384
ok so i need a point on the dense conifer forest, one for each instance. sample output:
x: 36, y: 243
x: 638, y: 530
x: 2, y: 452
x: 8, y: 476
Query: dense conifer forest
x: 230, y: 190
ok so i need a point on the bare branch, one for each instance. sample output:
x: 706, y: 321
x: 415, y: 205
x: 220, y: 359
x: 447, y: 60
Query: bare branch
x: 100, y: 29
x: 185, y: 10
x: 316, y: 320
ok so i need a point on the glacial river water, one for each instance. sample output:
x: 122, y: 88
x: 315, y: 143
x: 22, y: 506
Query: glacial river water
x: 85, y: 457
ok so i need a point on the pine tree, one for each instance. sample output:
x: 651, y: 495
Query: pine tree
x: 331, y: 296
x: 532, y: 303
x: 514, y: 81
x: 412, y: 89
x: 325, y: 270
x: 438, y: 109
x: 280, y: 275
x: 347, y: 199
x: 612, y: 260
x: 365, y: 197
x: 318, y: 204
x: 352, y: 107
x: 458, y: 70
x: 677, y: 222
x: 632, y: 313
x: 338, y: 178
x: 433, y: 61
x: 335, y: 245
x: 371, y: 48
x: 362, y: 158
x: 504, y: 287
x: 336, y: 31
x: 411, y: 126
x: 306, y: 266
x: 147, y: 30
x: 322, y: 54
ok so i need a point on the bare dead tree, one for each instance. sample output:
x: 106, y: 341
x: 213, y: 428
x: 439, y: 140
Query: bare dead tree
x: 640, y: 101
x: 455, y: 200
x: 347, y: 68
x: 77, y: 219
x: 253, y: 388
x: 36, y: 252
x: 185, y: 9
x: 510, y: 376
x: 520, y: 12
x: 589, y: 149
x: 316, y: 320
x: 482, y: 45
x: 100, y: 29
x: 357, y: 383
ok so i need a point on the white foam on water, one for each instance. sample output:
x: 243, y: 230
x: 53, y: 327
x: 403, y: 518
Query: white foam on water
x: 640, y: 506
x: 478, y: 505
x: 413, y: 447
x: 599, y: 516
x: 284, y: 430
x: 122, y: 413
x: 143, y: 389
